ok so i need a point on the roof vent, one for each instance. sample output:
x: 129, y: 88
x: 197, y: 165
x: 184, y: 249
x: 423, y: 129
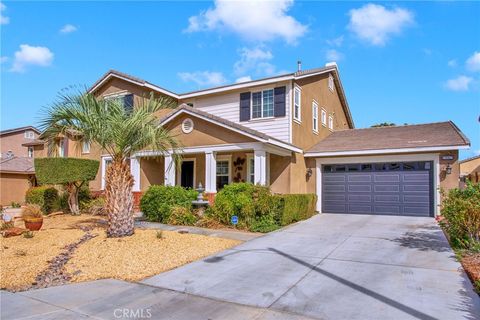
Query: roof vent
x: 299, y: 65
x: 187, y: 125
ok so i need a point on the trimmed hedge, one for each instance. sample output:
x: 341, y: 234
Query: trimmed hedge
x: 44, y: 196
x: 297, y: 207
x: 65, y: 170
x: 159, y: 201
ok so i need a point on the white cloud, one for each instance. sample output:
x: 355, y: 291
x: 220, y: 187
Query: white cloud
x: 473, y: 63
x: 452, y: 63
x: 203, y: 78
x: 333, y: 55
x: 3, y: 19
x: 31, y: 55
x: 254, y: 59
x: 3, y: 59
x: 68, y: 28
x: 460, y: 83
x: 336, y: 42
x: 243, y: 79
x: 376, y: 24
x: 259, y: 20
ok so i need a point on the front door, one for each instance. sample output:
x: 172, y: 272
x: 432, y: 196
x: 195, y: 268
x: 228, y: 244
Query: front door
x: 188, y: 168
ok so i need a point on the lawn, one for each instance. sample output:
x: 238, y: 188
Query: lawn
x: 144, y: 254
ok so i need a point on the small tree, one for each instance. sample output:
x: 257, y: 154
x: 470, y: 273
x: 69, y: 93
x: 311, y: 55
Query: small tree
x: 70, y: 172
x: 383, y: 124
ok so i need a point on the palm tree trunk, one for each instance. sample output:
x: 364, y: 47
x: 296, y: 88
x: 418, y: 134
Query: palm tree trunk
x: 119, y: 199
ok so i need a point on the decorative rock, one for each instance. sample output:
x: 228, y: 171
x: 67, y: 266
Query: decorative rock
x: 13, y: 232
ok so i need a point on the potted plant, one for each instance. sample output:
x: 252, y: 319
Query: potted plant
x: 33, y: 217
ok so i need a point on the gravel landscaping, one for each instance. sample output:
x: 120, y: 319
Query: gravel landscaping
x: 75, y: 248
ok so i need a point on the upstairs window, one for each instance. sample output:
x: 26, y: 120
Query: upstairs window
x: 331, y: 83
x: 324, y: 117
x: 124, y: 99
x: 29, y: 134
x: 262, y: 104
x: 86, y: 147
x: 315, y: 117
x: 61, y: 148
x: 330, y: 122
x: 297, y: 111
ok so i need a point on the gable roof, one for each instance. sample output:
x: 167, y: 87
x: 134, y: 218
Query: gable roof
x: 13, y: 130
x: 329, y: 68
x: 469, y: 159
x: 17, y: 165
x: 254, y: 134
x: 409, y: 138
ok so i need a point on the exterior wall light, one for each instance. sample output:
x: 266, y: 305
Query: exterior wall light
x: 448, y: 169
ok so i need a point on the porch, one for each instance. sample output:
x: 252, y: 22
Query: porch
x: 212, y: 166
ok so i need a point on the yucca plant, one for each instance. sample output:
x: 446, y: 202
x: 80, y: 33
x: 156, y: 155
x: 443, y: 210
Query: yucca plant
x: 119, y: 132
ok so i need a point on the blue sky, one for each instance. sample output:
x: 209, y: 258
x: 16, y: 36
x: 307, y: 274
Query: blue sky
x: 401, y: 62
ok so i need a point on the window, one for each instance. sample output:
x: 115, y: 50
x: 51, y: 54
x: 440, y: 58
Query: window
x: 106, y: 162
x: 297, y: 111
x: 86, y: 147
x: 250, y: 169
x: 330, y: 122
x: 223, y: 173
x: 61, y: 148
x: 315, y: 116
x: 324, y: 117
x: 29, y: 134
x: 30, y: 152
x: 331, y: 83
x: 124, y: 99
x: 262, y: 104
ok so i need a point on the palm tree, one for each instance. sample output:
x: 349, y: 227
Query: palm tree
x: 119, y: 132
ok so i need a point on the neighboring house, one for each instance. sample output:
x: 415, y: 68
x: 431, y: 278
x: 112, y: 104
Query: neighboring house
x: 17, y: 175
x: 295, y: 133
x: 470, y: 169
x: 18, y: 147
x: 12, y: 141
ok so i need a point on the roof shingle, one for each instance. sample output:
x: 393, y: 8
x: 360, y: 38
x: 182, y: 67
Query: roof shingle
x: 399, y: 137
x: 17, y: 165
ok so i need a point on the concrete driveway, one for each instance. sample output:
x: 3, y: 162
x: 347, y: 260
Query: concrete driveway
x: 336, y: 266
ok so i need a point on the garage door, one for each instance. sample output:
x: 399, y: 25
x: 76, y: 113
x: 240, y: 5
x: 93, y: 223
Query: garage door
x: 378, y: 188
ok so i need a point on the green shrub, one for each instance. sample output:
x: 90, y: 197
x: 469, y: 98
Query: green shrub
x: 181, y: 216
x: 94, y: 206
x: 461, y: 209
x: 158, y: 202
x: 14, y: 204
x: 45, y: 196
x: 297, y: 207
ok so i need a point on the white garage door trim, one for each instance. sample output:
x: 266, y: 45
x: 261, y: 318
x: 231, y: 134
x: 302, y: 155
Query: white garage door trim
x: 435, y: 157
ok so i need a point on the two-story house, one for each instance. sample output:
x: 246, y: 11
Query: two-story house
x: 16, y: 162
x: 295, y: 133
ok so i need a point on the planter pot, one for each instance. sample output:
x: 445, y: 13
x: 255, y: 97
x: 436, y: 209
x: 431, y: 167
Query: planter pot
x: 33, y: 224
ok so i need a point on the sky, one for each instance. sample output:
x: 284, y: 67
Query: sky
x: 400, y: 62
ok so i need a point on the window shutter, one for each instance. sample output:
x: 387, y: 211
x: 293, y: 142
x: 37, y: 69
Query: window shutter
x: 245, y: 106
x: 279, y: 102
x: 128, y: 103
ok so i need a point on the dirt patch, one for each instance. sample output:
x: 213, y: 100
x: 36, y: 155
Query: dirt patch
x: 29, y: 261
x: 141, y: 255
x: 471, y: 264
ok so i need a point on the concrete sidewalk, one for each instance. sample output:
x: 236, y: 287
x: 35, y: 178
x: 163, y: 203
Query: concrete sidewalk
x: 113, y: 299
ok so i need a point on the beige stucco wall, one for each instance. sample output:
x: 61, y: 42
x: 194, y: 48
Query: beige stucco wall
x: 13, y: 142
x: 471, y: 169
x: 449, y: 181
x: 151, y: 172
x: 13, y: 187
x: 316, y: 88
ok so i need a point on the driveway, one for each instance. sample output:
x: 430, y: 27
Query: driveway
x: 328, y: 267
x: 335, y: 266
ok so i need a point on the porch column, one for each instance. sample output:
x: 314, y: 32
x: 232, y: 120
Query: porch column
x: 260, y: 164
x: 135, y: 171
x: 169, y: 170
x: 210, y: 172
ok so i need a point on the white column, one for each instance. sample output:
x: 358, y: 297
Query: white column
x: 318, y: 186
x: 169, y: 170
x: 135, y: 171
x: 210, y: 172
x: 260, y: 162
